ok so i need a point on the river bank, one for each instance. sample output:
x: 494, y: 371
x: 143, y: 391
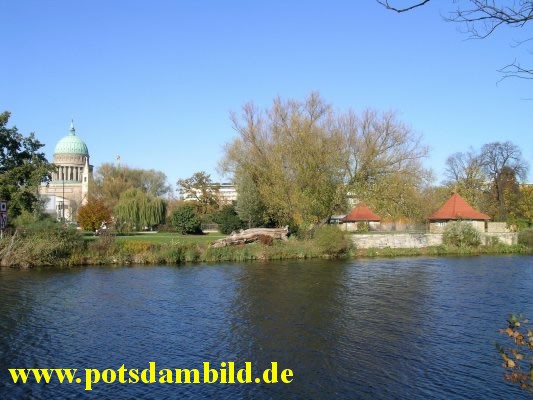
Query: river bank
x: 150, y: 249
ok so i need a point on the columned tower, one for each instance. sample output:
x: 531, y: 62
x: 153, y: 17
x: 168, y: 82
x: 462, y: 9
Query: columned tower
x: 69, y: 188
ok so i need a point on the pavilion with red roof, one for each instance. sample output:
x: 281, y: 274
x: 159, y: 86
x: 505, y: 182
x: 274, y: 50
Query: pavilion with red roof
x: 456, y: 208
x: 361, y: 213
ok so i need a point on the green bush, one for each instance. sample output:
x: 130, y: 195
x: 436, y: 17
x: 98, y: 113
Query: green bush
x: 525, y: 237
x: 228, y: 220
x: 461, y: 234
x: 363, y: 227
x: 331, y: 241
x: 185, y: 220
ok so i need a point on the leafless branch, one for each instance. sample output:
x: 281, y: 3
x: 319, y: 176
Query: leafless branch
x: 481, y: 18
x: 388, y: 6
x: 514, y: 70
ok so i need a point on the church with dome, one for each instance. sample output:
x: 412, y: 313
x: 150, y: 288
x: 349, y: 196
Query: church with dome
x: 69, y: 187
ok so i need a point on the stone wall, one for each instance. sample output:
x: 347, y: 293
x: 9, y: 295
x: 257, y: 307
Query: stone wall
x: 497, y: 227
x: 396, y: 240
x: 508, y: 238
x: 418, y: 240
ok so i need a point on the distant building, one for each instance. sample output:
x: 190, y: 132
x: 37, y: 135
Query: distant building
x: 69, y: 188
x: 361, y: 214
x: 226, y: 193
x: 457, y: 209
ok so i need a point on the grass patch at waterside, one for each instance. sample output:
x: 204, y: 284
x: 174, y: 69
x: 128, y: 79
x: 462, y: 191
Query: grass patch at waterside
x: 442, y: 251
x: 160, y: 237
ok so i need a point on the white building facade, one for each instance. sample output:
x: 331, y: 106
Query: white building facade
x: 69, y: 188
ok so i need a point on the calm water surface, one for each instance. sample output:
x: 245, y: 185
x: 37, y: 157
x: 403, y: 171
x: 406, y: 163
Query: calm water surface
x: 417, y: 328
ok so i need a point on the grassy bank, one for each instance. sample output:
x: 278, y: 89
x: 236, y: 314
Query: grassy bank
x: 442, y: 251
x: 189, y: 249
x: 68, y: 248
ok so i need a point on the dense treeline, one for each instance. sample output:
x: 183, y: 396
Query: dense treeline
x: 299, y: 162
x: 303, y: 160
x: 295, y: 163
x: 489, y: 179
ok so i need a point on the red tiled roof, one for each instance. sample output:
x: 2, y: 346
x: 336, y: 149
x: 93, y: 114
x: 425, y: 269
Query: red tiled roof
x: 457, y: 208
x: 361, y: 213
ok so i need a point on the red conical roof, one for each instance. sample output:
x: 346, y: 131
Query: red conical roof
x: 361, y: 213
x: 457, y: 208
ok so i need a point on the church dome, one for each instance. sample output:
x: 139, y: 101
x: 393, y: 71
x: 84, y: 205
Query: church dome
x: 71, y: 144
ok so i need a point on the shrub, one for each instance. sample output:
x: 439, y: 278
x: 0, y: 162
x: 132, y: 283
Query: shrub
x: 41, y: 243
x: 93, y: 214
x: 104, y: 244
x: 362, y: 227
x: 168, y: 227
x: 493, y: 241
x: 331, y: 241
x: 137, y: 246
x: 461, y: 234
x: 228, y: 220
x: 185, y: 220
x: 525, y: 237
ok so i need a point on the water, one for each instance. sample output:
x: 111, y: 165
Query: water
x: 411, y: 328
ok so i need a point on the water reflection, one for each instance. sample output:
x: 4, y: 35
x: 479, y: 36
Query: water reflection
x: 285, y: 315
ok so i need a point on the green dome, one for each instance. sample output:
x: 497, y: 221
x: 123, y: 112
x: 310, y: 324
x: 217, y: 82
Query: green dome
x: 71, y: 144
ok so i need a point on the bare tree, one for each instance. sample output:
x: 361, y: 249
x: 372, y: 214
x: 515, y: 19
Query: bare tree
x: 384, y: 162
x: 466, y: 176
x: 499, y: 160
x: 481, y: 18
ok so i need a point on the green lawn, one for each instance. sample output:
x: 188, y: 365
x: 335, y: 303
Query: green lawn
x: 163, y: 237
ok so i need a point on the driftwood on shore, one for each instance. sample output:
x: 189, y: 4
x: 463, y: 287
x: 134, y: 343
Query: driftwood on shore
x: 252, y: 235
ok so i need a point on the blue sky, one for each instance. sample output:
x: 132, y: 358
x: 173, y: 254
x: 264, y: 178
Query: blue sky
x: 154, y: 82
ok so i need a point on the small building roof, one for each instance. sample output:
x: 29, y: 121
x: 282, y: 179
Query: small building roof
x: 361, y: 213
x: 457, y: 208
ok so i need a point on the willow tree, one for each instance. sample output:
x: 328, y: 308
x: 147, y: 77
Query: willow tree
x: 111, y: 181
x: 293, y: 153
x: 137, y: 209
x: 384, y: 163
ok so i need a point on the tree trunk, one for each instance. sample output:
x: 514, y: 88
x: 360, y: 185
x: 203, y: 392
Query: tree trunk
x: 251, y: 235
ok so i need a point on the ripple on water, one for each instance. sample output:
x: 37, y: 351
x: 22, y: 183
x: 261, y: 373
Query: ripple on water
x: 417, y: 328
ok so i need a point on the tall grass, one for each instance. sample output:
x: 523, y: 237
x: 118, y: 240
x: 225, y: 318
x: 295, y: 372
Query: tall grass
x: 41, y: 243
x: 53, y: 245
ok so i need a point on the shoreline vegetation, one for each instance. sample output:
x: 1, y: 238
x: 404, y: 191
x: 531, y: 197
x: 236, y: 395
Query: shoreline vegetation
x: 67, y: 248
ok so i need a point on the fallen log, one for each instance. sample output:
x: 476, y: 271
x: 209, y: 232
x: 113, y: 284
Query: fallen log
x: 251, y: 236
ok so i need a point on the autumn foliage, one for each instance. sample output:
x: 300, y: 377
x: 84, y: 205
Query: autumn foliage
x: 92, y: 214
x: 518, y: 357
